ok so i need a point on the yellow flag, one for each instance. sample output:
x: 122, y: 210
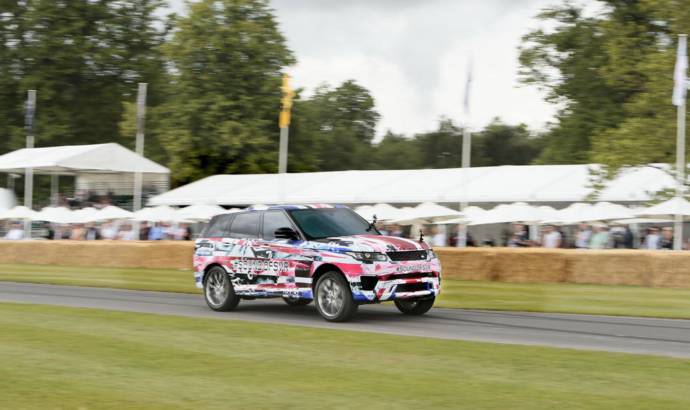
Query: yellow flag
x: 284, y: 119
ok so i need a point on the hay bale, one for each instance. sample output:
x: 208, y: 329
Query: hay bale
x: 467, y: 263
x: 670, y: 269
x: 610, y: 267
x: 530, y: 265
x: 130, y: 254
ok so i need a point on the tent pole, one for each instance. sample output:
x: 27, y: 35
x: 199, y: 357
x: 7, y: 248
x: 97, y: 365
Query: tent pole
x: 29, y: 172
x: 138, y: 177
x: 54, y: 189
x: 680, y: 175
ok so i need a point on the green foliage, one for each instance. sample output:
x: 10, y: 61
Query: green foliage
x: 613, y: 74
x: 333, y: 129
x: 226, y: 58
x: 83, y: 57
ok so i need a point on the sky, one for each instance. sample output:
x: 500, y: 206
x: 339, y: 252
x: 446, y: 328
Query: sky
x: 413, y: 56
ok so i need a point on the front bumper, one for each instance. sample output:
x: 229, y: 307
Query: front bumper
x: 396, y: 287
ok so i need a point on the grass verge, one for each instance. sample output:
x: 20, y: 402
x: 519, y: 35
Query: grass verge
x: 565, y: 298
x: 56, y: 357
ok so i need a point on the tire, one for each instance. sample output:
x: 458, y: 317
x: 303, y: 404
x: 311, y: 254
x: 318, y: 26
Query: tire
x: 218, y: 291
x: 333, y: 298
x: 296, y: 301
x: 414, y: 307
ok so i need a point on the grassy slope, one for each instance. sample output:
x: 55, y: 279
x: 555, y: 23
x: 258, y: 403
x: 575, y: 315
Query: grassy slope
x: 568, y: 298
x: 80, y: 358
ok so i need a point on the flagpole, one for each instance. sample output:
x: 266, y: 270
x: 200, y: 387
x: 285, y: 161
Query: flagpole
x: 466, y: 157
x: 29, y: 172
x: 680, y: 138
x: 139, y: 149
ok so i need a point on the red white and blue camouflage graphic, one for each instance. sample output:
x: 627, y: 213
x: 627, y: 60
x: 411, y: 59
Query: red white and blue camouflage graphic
x: 281, y: 267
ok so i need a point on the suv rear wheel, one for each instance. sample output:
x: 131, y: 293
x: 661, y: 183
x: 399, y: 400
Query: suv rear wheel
x: 218, y: 290
x: 333, y: 298
x: 414, y: 307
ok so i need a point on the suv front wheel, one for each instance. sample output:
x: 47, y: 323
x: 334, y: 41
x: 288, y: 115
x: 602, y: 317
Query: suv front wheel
x: 218, y: 290
x: 414, y: 307
x: 333, y: 298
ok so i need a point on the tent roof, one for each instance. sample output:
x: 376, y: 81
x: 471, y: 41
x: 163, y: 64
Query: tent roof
x: 70, y: 159
x: 527, y: 183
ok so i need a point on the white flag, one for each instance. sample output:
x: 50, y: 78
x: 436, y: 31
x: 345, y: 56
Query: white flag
x: 468, y: 83
x: 680, y: 73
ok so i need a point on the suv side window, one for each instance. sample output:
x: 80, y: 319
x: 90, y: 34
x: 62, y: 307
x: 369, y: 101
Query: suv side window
x: 245, y: 225
x: 274, y: 220
x: 218, y: 227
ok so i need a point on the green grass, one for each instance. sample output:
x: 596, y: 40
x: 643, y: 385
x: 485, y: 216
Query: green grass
x: 566, y: 298
x: 164, y: 280
x: 70, y: 358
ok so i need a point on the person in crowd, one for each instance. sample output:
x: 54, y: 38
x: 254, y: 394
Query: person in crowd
x: 156, y: 232
x: 551, y: 237
x: 109, y: 231
x: 127, y: 233
x: 651, y: 240
x: 91, y: 233
x: 520, y: 237
x: 617, y: 235
x: 396, y: 231
x: 666, y: 239
x: 77, y: 233
x: 15, y: 233
x: 600, y: 236
x: 438, y: 237
x: 144, y: 230
x: 583, y: 235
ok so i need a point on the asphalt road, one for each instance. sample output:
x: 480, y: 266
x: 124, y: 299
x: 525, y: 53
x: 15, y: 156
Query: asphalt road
x: 665, y: 337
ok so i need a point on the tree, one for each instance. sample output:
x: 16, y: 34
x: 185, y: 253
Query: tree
x: 83, y: 57
x: 334, y: 129
x: 395, y: 151
x: 502, y: 144
x: 226, y: 59
x: 590, y: 65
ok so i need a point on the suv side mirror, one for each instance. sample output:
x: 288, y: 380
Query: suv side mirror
x: 286, y: 233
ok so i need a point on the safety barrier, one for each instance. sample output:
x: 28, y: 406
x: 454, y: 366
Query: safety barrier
x: 610, y: 267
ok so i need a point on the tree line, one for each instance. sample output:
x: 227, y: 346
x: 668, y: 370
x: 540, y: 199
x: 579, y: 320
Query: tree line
x: 214, y: 78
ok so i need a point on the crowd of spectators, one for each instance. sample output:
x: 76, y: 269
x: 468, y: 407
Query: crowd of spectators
x: 596, y: 235
x: 116, y: 230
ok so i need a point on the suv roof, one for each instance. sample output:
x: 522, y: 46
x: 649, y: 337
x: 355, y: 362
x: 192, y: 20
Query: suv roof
x: 293, y: 206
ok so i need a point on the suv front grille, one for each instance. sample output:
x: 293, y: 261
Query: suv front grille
x: 408, y: 256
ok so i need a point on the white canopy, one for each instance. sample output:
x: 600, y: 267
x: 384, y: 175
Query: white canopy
x: 55, y: 214
x: 70, y: 159
x: 667, y: 209
x: 161, y: 213
x: 199, y: 212
x: 526, y: 183
x: 426, y: 212
x: 18, y: 212
x: 383, y: 212
x: 113, y: 212
x: 600, y: 211
x: 516, y: 212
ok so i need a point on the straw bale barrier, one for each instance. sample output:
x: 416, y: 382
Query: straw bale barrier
x: 604, y: 267
x: 523, y: 265
x: 122, y: 254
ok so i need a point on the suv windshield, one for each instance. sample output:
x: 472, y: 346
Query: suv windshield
x: 328, y: 222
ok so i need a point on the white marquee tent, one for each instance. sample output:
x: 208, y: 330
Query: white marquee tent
x: 100, y: 167
x: 502, y: 184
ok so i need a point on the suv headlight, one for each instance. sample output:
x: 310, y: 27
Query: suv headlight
x: 430, y: 255
x: 369, y: 257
